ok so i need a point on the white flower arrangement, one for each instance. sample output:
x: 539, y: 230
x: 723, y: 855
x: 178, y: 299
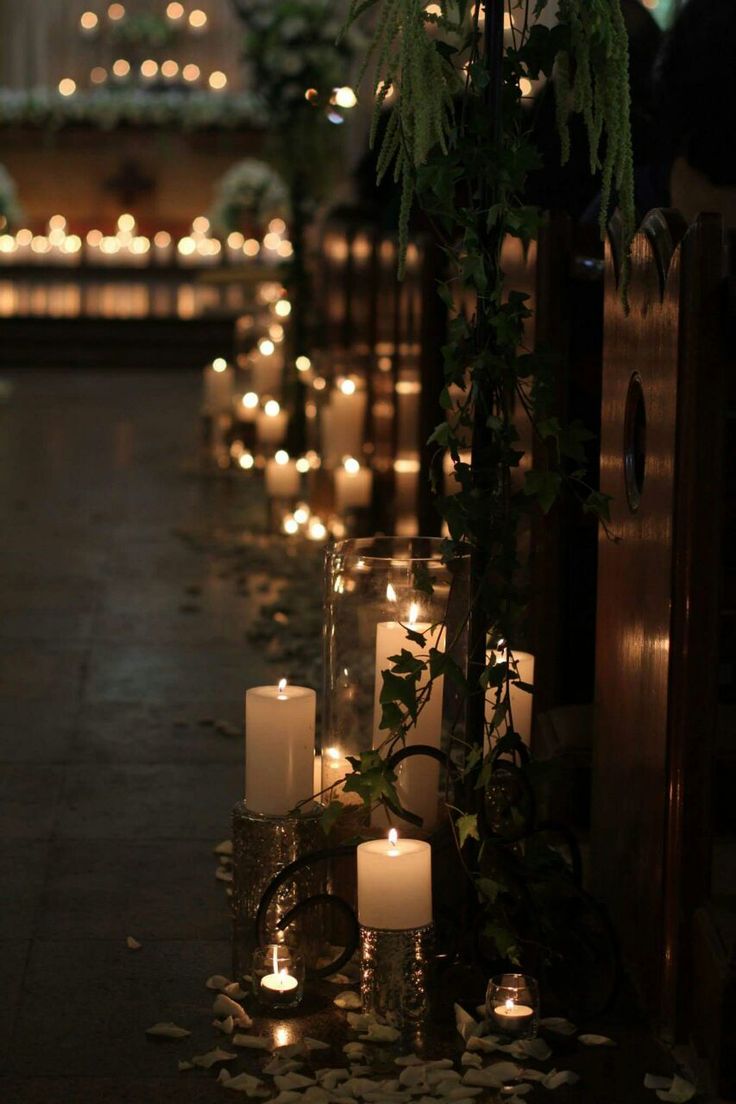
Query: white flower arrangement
x: 110, y: 108
x: 291, y: 46
x: 250, y: 193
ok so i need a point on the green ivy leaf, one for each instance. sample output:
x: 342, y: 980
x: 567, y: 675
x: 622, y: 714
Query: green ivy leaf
x: 407, y: 664
x: 544, y: 486
x: 397, y: 689
x: 440, y: 663
x: 467, y: 827
x: 332, y: 813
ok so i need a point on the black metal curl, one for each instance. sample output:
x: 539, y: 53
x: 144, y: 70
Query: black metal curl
x: 418, y: 749
x: 342, y: 906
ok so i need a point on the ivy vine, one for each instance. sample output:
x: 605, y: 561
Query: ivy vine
x: 458, y: 143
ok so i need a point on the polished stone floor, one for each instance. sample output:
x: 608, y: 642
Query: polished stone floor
x: 121, y: 646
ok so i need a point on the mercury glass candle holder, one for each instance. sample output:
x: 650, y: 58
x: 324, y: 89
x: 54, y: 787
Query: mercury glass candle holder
x: 512, y: 1005
x: 278, y: 976
x: 385, y: 595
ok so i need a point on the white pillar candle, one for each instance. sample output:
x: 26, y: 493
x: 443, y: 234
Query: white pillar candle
x: 245, y: 407
x: 419, y: 776
x: 279, y: 747
x: 522, y: 702
x: 353, y: 485
x: 266, y: 375
x: 395, y: 884
x: 271, y: 423
x: 347, y: 420
x: 282, y: 476
x: 219, y: 379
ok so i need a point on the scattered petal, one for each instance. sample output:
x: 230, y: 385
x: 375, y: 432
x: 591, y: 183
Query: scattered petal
x: 486, y: 1043
x: 466, y: 1025
x: 168, y: 1031
x: 242, y: 1082
x: 408, y: 1060
x: 533, y: 1075
x: 349, y: 999
x: 290, y: 1050
x: 339, y: 979
x: 354, y: 1050
x: 464, y: 1092
x: 287, y: 1097
x: 315, y: 1044
x: 234, y: 990
x: 492, y: 1076
x: 559, y: 1025
x: 471, y: 1059
x: 225, y: 1026
x: 529, y: 1048
x: 293, y: 1081
x: 253, y: 1042
x: 331, y: 1078
x: 518, y: 1090
x: 212, y: 1057
x: 679, y: 1091
x: 555, y: 1078
x: 223, y: 875
x: 184, y: 1066
x: 217, y: 981
x: 226, y: 1006
x: 361, y: 1021
x: 596, y: 1040
x: 224, y: 848
x: 281, y: 1065
x: 654, y: 1081
x: 316, y: 1095
x: 380, y: 1033
x: 132, y: 944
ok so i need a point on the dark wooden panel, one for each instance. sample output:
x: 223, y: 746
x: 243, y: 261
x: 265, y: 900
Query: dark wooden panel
x: 629, y: 807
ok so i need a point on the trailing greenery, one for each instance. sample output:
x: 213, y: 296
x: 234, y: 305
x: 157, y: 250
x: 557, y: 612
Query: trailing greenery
x: 458, y: 141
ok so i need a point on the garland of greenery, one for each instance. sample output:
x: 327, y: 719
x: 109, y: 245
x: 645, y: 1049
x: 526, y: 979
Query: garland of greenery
x: 458, y: 143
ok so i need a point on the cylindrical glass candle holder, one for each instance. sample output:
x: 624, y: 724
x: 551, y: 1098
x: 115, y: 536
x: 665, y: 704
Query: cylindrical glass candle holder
x: 278, y: 976
x: 512, y: 1005
x: 385, y: 595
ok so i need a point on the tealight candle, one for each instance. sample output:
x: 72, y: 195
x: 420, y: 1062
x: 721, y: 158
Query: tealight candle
x: 419, y: 776
x: 395, y: 883
x: 512, y: 1003
x: 278, y: 976
x: 279, y: 747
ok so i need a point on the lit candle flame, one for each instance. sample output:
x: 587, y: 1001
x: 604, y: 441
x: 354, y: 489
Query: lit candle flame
x: 391, y: 593
x: 509, y: 1003
x: 393, y: 837
x: 282, y: 688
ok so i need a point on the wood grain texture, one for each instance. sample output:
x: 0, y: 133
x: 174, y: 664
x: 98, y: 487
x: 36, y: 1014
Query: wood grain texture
x: 630, y: 770
x: 658, y: 606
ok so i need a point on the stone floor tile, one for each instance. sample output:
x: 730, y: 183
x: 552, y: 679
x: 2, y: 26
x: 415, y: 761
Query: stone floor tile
x: 194, y: 1087
x: 109, y: 889
x: 29, y: 797
x: 109, y: 996
x: 22, y: 878
x: 183, y: 732
x: 167, y: 673
x: 37, y: 670
x: 13, y: 959
x: 36, y: 731
x: 142, y: 801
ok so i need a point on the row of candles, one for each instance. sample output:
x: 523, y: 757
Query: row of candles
x: 196, y: 19
x: 126, y: 247
x: 394, y: 876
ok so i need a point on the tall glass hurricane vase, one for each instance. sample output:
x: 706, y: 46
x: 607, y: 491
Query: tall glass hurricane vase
x: 385, y: 595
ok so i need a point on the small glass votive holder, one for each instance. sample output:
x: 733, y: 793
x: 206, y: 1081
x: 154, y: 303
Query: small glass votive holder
x: 512, y: 1005
x: 278, y: 976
